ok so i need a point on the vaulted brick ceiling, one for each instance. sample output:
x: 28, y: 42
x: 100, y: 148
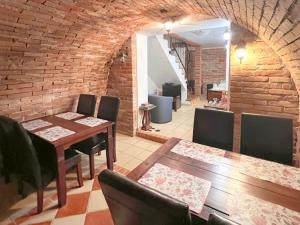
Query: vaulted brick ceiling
x: 35, y: 31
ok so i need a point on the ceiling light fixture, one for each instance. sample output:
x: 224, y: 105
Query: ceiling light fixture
x: 227, y: 35
x: 169, y: 25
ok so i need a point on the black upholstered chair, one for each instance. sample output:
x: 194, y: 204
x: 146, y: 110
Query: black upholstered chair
x: 108, y: 110
x: 86, y: 104
x: 34, y: 158
x: 215, y: 219
x: 267, y: 137
x: 213, y: 128
x: 131, y: 203
x: 8, y: 155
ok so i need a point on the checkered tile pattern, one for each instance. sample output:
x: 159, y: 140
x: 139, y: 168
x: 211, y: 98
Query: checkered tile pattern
x: 85, y: 205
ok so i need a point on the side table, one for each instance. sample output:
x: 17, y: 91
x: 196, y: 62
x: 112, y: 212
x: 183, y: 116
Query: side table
x: 146, y: 116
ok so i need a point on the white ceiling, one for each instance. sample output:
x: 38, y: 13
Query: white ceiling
x: 207, y: 38
x: 207, y: 33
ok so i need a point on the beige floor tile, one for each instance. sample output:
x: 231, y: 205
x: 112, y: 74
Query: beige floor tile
x: 97, y: 201
x: 87, y: 187
x: 70, y: 220
x: 48, y: 214
x: 144, y: 155
x: 132, y: 164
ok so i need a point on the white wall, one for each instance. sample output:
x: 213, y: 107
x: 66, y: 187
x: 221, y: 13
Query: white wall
x: 159, y: 68
x: 142, y: 68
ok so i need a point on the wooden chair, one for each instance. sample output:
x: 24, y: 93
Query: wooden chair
x: 108, y: 110
x: 131, y: 203
x: 87, y: 104
x: 34, y: 158
x: 267, y: 137
x: 213, y: 128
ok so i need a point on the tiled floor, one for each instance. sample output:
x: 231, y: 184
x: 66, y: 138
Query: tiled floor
x: 85, y: 205
x: 181, y: 125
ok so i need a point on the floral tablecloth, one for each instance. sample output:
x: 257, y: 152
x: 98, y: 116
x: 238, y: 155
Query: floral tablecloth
x: 91, y: 121
x: 35, y: 124
x: 54, y: 133
x: 179, y: 185
x: 248, y: 210
x: 199, y: 152
x: 284, y: 175
x: 69, y: 115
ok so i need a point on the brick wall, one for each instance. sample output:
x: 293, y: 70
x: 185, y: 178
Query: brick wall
x: 213, y: 66
x: 122, y: 83
x: 261, y: 83
x: 196, y: 69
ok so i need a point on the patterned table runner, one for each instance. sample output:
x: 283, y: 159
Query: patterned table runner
x: 91, y: 121
x: 179, y: 185
x: 35, y: 124
x: 199, y: 152
x: 284, y: 175
x: 248, y: 210
x: 54, y: 133
x: 69, y: 115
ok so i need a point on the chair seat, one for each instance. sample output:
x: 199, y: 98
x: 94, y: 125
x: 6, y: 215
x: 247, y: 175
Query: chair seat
x: 90, y: 145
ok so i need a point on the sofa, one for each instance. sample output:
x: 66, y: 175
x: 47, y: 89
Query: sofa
x: 163, y: 111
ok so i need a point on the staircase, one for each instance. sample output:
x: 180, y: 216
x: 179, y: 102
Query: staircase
x: 177, y: 67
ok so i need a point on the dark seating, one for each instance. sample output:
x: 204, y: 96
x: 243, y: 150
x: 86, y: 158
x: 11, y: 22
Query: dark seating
x: 131, y: 203
x: 86, y: 104
x: 35, y: 159
x: 213, y: 128
x: 173, y: 90
x: 8, y: 155
x: 162, y: 113
x: 215, y: 219
x: 108, y: 110
x: 267, y: 137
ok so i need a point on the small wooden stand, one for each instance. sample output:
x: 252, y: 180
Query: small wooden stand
x: 146, y: 116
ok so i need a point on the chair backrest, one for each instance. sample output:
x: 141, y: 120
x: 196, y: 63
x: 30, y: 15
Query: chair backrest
x: 213, y: 128
x: 6, y: 137
x: 209, y: 86
x: 109, y: 108
x: 131, y: 203
x: 20, y: 144
x: 215, y: 219
x: 86, y: 104
x: 172, y: 90
x: 267, y: 137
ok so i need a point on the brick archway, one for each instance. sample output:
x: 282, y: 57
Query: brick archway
x: 52, y: 50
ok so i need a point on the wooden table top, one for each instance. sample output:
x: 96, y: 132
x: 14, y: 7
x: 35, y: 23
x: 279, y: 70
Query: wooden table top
x: 225, y: 179
x: 82, y: 132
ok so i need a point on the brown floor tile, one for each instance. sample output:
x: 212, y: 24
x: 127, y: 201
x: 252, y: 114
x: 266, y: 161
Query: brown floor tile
x: 42, y: 223
x: 76, y: 204
x: 99, y: 218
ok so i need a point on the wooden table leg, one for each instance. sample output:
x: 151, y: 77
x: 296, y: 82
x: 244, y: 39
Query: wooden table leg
x: 110, y: 149
x: 61, y: 177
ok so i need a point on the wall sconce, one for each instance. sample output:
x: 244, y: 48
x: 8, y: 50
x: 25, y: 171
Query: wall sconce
x: 240, y: 51
x: 169, y: 25
x: 124, y: 55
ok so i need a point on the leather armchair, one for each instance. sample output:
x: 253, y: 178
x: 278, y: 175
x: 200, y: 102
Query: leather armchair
x: 163, y: 111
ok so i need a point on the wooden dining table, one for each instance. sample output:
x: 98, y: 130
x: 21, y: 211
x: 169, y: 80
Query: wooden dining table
x: 225, y: 179
x: 81, y: 132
